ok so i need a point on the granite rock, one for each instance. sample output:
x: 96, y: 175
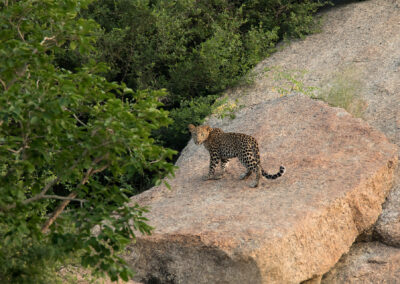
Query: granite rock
x: 339, y: 171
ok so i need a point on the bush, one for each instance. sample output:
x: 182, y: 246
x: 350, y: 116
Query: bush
x: 192, y: 48
x: 190, y: 111
x: 67, y: 140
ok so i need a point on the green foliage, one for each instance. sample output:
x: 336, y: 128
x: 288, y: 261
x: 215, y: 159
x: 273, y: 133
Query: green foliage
x: 344, y: 90
x: 67, y: 135
x: 293, y: 18
x: 70, y: 139
x: 224, y: 108
x: 289, y: 81
x: 192, y: 48
x: 191, y: 111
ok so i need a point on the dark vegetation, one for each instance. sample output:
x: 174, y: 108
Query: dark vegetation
x: 78, y: 138
x: 193, y: 49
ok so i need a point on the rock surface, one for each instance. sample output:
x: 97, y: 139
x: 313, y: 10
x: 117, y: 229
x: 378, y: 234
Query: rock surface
x: 79, y: 275
x: 359, y: 43
x: 388, y: 225
x: 339, y: 171
x: 367, y: 263
x: 360, y: 40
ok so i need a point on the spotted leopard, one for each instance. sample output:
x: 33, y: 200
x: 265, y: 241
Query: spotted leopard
x: 223, y: 146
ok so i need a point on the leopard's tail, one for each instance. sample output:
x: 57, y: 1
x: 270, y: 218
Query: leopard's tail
x: 281, y: 172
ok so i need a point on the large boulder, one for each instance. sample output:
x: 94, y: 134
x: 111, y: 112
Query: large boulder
x: 357, y: 49
x: 339, y: 171
x: 366, y: 263
x: 388, y: 225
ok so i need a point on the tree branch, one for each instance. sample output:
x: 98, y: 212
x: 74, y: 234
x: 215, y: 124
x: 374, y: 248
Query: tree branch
x: 48, y: 39
x: 57, y: 212
x: 73, y: 194
x: 36, y: 197
x: 40, y: 196
x: 45, y: 189
x: 80, y: 121
x: 4, y: 85
x: 74, y: 115
x: 62, y: 198
x: 15, y: 151
x: 20, y: 33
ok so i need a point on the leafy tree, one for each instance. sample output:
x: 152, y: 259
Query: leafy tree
x: 193, y: 48
x: 68, y: 139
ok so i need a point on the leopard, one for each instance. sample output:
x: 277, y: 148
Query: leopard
x: 222, y: 146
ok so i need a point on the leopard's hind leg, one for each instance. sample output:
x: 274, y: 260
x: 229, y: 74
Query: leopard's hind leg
x: 250, y: 162
x: 245, y: 175
x: 257, y: 179
x: 254, y: 163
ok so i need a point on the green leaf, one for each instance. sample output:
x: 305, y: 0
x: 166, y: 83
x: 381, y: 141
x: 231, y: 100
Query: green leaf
x: 72, y: 45
x: 34, y: 120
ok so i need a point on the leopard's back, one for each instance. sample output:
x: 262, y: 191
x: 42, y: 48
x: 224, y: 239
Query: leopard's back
x: 232, y: 144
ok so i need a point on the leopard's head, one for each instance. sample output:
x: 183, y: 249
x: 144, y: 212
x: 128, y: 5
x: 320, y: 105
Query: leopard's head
x: 199, y: 133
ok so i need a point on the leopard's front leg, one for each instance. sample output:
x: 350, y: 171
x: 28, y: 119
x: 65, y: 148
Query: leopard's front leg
x: 214, y: 159
x: 224, y: 161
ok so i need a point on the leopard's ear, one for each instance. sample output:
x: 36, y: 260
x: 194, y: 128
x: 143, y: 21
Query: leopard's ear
x: 208, y: 127
x: 191, y: 127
